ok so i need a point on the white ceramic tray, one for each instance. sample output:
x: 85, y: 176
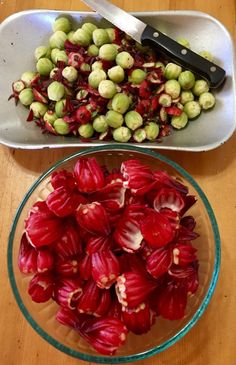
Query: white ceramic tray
x: 22, y: 32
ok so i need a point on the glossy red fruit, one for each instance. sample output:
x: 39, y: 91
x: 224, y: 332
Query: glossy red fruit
x: 42, y: 226
x: 27, y: 257
x: 138, y: 177
x: 105, y: 268
x: 41, y: 287
x: 183, y: 254
x: 156, y: 229
x: 45, y: 260
x: 132, y: 289
x: 63, y: 201
x: 67, y: 317
x: 94, y: 218
x: 67, y: 267
x: 69, y: 244
x: 168, y: 198
x: 159, y: 262
x: 83, y: 115
x: 112, y: 196
x: 63, y: 178
x: 165, y: 180
x: 89, y: 175
x: 127, y: 233
x: 98, y: 243
x: 172, y: 301
x: 67, y: 292
x: 104, y: 303
x: 138, y: 320
x: 88, y: 302
x: 105, y: 334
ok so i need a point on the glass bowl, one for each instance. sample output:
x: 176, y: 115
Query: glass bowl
x: 164, y: 333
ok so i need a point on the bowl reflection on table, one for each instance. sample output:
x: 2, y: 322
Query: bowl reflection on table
x: 164, y: 333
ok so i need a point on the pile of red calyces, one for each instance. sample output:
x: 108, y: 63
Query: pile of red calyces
x: 112, y: 249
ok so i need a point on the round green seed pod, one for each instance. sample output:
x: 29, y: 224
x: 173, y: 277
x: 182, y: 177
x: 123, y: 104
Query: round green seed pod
x: 139, y: 135
x: 207, y: 55
x: 116, y: 74
x: 192, y: 109
x: 85, y: 67
x: 86, y: 130
x: 61, y: 56
x: 59, y: 108
x: 111, y: 34
x: 61, y: 127
x: 44, y: 66
x: 137, y: 76
x: 184, y: 42
x: 82, y: 37
x: 62, y: 24
x: 108, y: 52
x: 172, y: 87
x: 81, y: 94
x: 95, y: 77
x: 70, y: 73
x: 70, y: 36
x: 57, y: 40
x: 100, y: 37
x: 39, y: 109
x: 133, y: 120
x: 50, y: 117
x: 97, y: 65
x: 186, y: 96
x: 26, y: 96
x: 120, y: 103
x: 200, y: 87
x: 41, y: 52
x: 55, y: 91
x: 114, y: 119
x: 207, y: 100
x: 93, y: 50
x: 54, y: 53
x: 107, y: 89
x: 172, y: 71
x: 152, y: 131
x: 121, y: 134
x: 27, y: 77
x: 18, y: 86
x: 100, y: 124
x: 186, y: 80
x: 124, y: 60
x: 89, y: 27
x: 179, y: 122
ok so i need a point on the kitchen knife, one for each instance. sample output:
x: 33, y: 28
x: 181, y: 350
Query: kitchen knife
x: 145, y: 34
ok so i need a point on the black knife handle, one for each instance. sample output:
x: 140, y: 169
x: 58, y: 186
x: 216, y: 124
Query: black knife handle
x: 214, y: 74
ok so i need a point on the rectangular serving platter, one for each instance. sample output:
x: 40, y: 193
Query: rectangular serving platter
x: 22, y: 32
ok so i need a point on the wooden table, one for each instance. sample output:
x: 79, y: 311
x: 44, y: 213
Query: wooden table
x: 213, y: 340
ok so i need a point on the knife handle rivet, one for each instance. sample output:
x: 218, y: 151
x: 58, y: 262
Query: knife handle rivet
x: 155, y: 34
x: 213, y: 69
x: 184, y: 51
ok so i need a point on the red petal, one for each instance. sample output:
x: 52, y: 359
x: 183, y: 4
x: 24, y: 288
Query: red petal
x: 183, y: 254
x: 63, y: 178
x: 89, y: 175
x: 88, y: 302
x: 138, y: 320
x: 98, y: 243
x: 27, y: 257
x: 68, y: 292
x: 67, y: 267
x: 165, y: 180
x: 94, y: 218
x: 168, y: 198
x: 45, y: 260
x: 159, y: 262
x: 105, y: 268
x: 112, y: 196
x: 63, y: 202
x: 172, y: 301
x: 69, y: 245
x: 85, y: 267
x: 41, y: 287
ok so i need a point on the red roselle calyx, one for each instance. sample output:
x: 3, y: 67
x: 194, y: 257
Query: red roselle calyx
x: 45, y: 260
x: 68, y: 267
x: 68, y: 292
x: 168, y: 198
x: 42, y: 226
x: 183, y: 254
x: 88, y: 302
x: 138, y: 320
x: 83, y: 115
x: 69, y: 244
x: 105, y: 268
x: 94, y: 218
x: 41, y: 287
x: 64, y: 179
x: 132, y: 289
x: 106, y: 334
x: 159, y: 261
x: 89, y: 175
x: 27, y: 257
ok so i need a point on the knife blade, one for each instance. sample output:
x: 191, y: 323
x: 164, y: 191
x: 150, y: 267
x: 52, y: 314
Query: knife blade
x: 167, y: 46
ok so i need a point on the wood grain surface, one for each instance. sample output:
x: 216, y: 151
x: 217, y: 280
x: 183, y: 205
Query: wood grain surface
x: 213, y: 340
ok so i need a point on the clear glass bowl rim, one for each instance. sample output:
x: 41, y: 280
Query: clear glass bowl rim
x: 173, y: 339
